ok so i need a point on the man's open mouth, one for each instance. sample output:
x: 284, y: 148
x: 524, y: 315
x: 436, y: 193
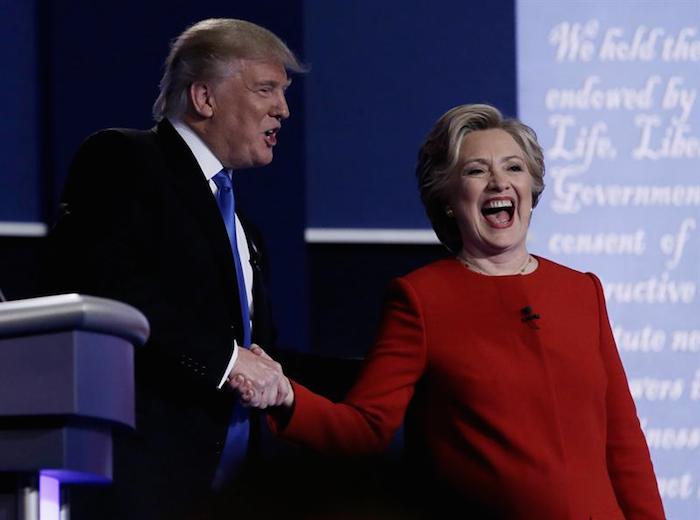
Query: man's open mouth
x: 271, y: 136
x: 498, y: 212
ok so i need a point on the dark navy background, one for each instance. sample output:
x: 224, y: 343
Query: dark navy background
x: 383, y: 72
x: 20, y: 194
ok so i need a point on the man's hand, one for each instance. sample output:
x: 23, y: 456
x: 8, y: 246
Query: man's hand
x: 259, y: 379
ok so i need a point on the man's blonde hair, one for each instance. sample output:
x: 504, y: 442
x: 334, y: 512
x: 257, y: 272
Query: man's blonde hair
x: 207, y: 51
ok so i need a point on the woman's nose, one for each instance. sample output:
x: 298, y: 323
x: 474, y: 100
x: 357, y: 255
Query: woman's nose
x: 498, y: 181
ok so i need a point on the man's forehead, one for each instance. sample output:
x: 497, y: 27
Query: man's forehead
x: 263, y: 70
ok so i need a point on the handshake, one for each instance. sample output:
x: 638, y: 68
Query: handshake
x: 259, y: 380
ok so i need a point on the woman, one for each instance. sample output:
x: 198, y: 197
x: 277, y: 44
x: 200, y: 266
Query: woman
x: 518, y: 399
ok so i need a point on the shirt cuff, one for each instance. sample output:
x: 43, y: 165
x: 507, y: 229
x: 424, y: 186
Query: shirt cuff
x: 232, y: 361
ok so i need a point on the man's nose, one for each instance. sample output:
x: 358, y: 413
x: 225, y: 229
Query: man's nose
x: 281, y: 109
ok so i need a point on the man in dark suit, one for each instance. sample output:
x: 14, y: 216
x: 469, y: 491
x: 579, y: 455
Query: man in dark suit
x: 142, y: 222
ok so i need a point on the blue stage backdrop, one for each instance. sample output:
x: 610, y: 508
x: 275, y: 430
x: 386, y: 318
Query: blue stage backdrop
x: 382, y: 73
x: 611, y: 88
x: 20, y: 208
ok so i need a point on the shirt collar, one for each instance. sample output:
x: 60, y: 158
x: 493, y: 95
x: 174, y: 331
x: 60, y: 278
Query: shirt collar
x: 207, y: 161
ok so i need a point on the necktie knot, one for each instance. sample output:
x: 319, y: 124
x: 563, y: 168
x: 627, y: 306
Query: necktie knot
x: 223, y: 181
x: 225, y: 198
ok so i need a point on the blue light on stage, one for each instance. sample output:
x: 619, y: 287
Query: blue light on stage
x: 49, y: 498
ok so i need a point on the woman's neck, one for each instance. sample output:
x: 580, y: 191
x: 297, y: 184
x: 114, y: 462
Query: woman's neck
x: 520, y: 262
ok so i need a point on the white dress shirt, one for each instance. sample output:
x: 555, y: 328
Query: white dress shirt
x: 210, y: 166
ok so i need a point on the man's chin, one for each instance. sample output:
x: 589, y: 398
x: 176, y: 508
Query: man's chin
x: 257, y: 162
x: 262, y: 160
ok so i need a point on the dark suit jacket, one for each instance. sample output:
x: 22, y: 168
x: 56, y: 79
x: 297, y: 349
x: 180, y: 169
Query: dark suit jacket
x: 139, y: 224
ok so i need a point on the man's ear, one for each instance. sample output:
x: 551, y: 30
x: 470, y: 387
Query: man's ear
x: 202, y: 98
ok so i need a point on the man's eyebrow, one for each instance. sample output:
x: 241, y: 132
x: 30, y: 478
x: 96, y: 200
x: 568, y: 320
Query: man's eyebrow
x: 274, y: 83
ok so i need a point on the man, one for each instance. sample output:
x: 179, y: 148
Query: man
x: 145, y: 219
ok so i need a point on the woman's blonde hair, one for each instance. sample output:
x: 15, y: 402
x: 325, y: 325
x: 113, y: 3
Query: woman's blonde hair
x: 438, y: 159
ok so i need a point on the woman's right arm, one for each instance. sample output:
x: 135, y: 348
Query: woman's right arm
x: 374, y: 408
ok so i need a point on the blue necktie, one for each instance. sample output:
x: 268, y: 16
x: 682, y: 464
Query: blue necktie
x: 236, y: 445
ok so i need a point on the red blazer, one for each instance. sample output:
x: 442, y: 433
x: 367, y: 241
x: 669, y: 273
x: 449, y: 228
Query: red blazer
x: 527, y: 419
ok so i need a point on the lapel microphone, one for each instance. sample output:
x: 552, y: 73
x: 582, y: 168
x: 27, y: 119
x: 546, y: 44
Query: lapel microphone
x: 527, y: 316
x: 255, y: 255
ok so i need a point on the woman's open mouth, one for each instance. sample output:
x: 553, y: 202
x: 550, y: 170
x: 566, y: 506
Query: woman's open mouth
x: 499, y: 212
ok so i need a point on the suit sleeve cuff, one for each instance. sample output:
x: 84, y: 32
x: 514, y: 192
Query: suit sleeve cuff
x: 229, y: 367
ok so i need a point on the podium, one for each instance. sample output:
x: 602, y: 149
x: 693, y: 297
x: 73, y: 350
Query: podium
x: 66, y: 381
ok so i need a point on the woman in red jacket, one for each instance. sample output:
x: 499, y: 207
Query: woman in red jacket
x: 518, y: 398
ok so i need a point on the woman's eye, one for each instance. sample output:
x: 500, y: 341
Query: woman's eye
x: 515, y: 168
x: 473, y: 171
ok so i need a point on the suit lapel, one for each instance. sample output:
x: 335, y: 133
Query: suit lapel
x: 263, y: 330
x: 188, y: 180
